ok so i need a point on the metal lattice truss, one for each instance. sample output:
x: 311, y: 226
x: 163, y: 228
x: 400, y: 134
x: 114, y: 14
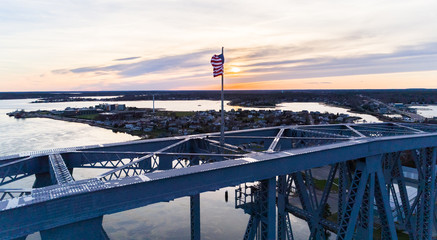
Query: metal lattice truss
x: 365, y: 178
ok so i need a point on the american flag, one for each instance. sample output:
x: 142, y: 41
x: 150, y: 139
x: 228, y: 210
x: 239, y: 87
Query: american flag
x: 217, y: 63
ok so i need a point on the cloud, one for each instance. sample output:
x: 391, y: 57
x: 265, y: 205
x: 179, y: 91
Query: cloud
x: 125, y: 59
x: 405, y: 59
x: 192, y: 69
x: 60, y: 71
x: 319, y: 83
x: 170, y: 83
x: 189, y: 60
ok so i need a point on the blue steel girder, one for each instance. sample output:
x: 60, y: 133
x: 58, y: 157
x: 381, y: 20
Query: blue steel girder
x: 63, y: 204
x: 343, y: 185
x: 133, y: 168
x: 284, y: 231
x: 368, y: 185
x: 426, y: 203
x: 316, y: 230
x: 215, y: 146
x: 303, y: 195
x: 267, y: 212
x: 388, y: 163
x: 289, y: 230
x: 13, y: 193
x: 195, y: 216
x: 262, y: 209
x: 366, y: 216
x: 307, y: 216
x: 21, y: 168
x: 58, y: 170
x: 100, y: 159
x: 396, y: 181
x: 388, y: 230
x: 251, y: 228
x: 115, y: 159
x: 349, y: 213
x: 275, y: 141
x: 312, y: 213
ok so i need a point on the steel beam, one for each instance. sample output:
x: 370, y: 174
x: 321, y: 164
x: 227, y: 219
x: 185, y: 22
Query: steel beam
x: 58, y: 170
x: 275, y: 141
x: 316, y: 229
x: 251, y: 228
x: 282, y: 214
x: 62, y: 203
x: 268, y: 209
x: 351, y: 209
x: 195, y: 216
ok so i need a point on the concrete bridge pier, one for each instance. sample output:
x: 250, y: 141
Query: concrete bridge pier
x: 21, y: 238
x: 88, y: 229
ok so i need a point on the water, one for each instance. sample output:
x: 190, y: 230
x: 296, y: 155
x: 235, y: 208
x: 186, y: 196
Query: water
x: 21, y: 135
x: 428, y: 111
x: 219, y: 219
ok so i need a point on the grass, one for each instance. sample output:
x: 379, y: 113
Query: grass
x: 184, y: 114
x: 177, y: 114
x: 88, y: 116
x: 333, y: 217
x: 376, y: 232
x: 320, y: 185
x: 401, y: 235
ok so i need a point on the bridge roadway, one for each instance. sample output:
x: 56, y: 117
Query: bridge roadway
x: 248, y: 156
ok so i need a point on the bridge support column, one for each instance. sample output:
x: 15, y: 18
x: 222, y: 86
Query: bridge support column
x: 368, y: 186
x: 282, y: 181
x: 303, y: 194
x: 195, y: 216
x: 349, y: 214
x: 426, y: 193
x: 251, y: 228
x: 195, y: 209
x: 342, y: 187
x: 284, y: 226
x: 268, y: 208
x: 88, y: 229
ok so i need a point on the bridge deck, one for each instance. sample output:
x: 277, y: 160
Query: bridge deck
x: 71, y: 201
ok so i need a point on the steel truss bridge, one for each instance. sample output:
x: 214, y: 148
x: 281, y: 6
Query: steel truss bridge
x: 365, y: 181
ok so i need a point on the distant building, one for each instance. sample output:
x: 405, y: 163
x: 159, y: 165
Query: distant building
x: 111, y: 107
x: 398, y: 105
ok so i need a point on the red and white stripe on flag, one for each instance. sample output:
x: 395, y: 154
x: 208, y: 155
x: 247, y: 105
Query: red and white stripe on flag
x: 217, y: 64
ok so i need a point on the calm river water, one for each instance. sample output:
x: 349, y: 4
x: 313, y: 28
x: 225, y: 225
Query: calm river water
x: 219, y: 219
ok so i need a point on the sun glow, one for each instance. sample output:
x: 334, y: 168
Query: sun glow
x: 235, y: 70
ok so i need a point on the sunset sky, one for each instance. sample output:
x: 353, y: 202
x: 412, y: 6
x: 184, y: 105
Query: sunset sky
x: 167, y: 45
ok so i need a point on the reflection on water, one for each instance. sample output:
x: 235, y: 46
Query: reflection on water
x: 32, y: 134
x: 219, y: 219
x: 428, y: 111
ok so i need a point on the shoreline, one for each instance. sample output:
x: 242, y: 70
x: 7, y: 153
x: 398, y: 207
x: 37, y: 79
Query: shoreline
x: 146, y: 124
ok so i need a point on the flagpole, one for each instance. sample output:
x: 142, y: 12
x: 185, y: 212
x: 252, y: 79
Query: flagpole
x: 222, y: 128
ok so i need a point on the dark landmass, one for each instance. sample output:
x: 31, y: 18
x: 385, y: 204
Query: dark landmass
x: 149, y: 124
x: 254, y: 97
x: 374, y: 102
